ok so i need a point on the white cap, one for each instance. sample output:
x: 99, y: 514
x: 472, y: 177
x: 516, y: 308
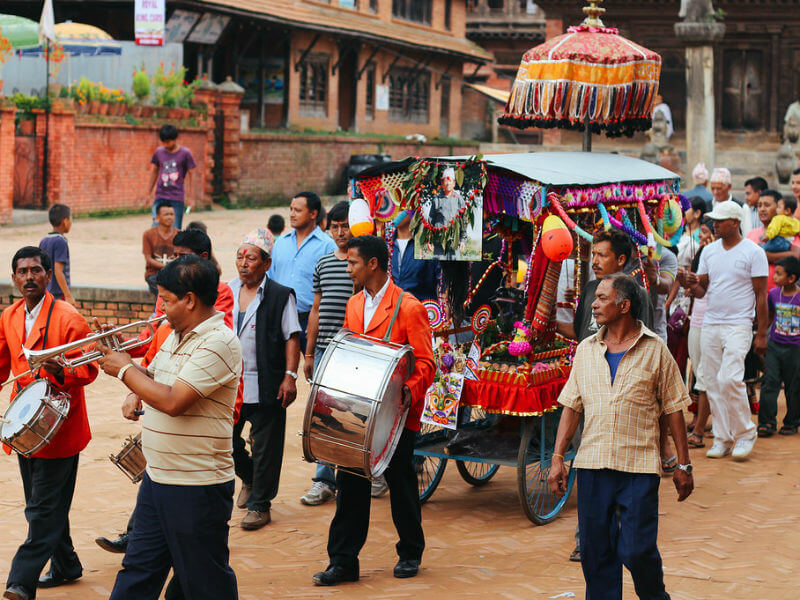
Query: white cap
x: 726, y: 210
x: 721, y: 175
x: 450, y: 173
x: 700, y: 174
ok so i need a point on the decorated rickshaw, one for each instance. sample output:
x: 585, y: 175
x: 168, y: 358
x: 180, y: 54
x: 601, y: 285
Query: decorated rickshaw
x: 501, y: 362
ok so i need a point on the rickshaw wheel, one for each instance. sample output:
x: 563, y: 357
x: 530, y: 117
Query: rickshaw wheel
x: 476, y: 473
x: 430, y: 469
x: 533, y: 468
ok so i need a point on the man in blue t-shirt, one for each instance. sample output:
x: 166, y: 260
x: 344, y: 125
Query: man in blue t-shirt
x: 55, y: 244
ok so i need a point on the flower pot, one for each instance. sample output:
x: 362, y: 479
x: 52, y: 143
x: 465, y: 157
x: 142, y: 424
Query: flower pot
x: 147, y: 111
x: 27, y: 127
x: 103, y: 108
x: 82, y: 108
x: 135, y: 110
x: 174, y: 113
x: 94, y: 107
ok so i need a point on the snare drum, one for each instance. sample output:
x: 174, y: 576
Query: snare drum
x: 131, y: 459
x: 353, y: 417
x: 34, y: 418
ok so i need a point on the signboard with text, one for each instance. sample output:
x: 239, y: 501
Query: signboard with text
x: 149, y: 22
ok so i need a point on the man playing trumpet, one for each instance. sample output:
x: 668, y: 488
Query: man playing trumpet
x: 188, y: 394
x: 39, y: 321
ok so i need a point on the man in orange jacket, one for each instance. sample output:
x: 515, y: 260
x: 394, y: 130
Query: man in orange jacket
x: 39, y: 321
x: 370, y: 312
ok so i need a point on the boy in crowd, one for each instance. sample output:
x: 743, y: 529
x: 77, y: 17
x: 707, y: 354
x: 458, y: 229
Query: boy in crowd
x: 276, y: 225
x: 57, y: 248
x: 781, y: 231
x: 157, y: 244
x: 782, y: 363
x: 170, y: 174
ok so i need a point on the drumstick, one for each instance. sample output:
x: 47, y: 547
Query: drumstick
x: 13, y: 379
x: 2, y: 420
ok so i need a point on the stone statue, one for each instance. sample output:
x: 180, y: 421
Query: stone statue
x: 785, y: 162
x: 658, y: 131
x: 651, y: 153
x: 791, y: 123
x: 696, y: 11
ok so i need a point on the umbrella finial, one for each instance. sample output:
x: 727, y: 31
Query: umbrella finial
x: 593, y: 13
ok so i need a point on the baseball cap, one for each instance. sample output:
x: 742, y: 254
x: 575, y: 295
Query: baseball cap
x: 726, y: 210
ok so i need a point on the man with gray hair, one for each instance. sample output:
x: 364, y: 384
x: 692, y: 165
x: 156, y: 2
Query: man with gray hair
x: 623, y: 378
x: 721, y: 184
x: 700, y: 189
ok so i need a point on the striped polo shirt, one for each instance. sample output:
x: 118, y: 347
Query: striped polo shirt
x: 195, y: 448
x: 332, y: 281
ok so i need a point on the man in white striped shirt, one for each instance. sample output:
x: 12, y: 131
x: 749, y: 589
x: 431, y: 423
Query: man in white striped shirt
x: 332, y: 289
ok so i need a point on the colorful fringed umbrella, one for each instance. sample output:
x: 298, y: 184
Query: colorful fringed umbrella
x: 590, y: 74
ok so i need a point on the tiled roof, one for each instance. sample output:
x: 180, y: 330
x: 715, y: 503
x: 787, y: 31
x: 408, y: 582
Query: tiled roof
x: 338, y: 20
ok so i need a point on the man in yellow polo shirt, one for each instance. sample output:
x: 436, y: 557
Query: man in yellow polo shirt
x: 187, y: 395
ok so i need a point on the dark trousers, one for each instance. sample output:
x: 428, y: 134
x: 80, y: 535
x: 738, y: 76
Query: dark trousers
x: 350, y: 524
x: 618, y: 518
x: 303, y: 319
x: 261, y: 470
x: 782, y: 365
x: 184, y: 527
x: 49, y: 484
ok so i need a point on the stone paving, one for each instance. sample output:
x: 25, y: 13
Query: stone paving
x: 734, y: 538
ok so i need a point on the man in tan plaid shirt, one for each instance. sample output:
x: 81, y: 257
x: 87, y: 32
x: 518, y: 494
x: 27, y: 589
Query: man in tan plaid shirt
x: 623, y: 378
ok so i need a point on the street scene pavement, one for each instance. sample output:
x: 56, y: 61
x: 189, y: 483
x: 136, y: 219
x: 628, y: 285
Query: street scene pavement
x: 735, y: 537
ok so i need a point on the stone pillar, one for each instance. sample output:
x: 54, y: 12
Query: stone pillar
x: 206, y: 95
x: 230, y: 97
x: 7, y: 142
x: 700, y: 38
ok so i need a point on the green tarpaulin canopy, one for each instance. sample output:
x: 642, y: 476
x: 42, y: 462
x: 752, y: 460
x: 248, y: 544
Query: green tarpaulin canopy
x: 21, y: 32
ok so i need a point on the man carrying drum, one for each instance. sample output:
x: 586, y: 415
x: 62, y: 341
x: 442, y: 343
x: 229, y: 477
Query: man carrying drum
x: 38, y: 321
x: 186, y: 495
x: 373, y: 312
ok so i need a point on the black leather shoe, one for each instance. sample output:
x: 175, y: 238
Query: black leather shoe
x: 335, y: 575
x: 406, y: 568
x: 16, y: 592
x: 117, y: 546
x: 53, y: 579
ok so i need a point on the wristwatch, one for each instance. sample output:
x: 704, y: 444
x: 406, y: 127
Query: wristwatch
x: 686, y: 468
x: 293, y: 374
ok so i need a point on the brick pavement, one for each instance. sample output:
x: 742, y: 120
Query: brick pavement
x: 734, y: 538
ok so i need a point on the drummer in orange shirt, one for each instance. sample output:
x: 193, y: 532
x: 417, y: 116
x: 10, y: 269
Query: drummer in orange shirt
x: 371, y: 312
x: 39, y: 321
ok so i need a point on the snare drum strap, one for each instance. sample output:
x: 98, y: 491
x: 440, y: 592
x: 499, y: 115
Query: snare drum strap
x: 44, y: 341
x: 394, y: 316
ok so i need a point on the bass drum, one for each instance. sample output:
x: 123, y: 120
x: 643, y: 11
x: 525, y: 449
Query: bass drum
x: 354, y: 417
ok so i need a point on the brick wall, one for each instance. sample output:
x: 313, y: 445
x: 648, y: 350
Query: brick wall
x: 115, y: 305
x: 6, y: 162
x: 315, y: 162
x: 101, y: 166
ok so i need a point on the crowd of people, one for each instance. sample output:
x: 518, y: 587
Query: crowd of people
x: 229, y: 354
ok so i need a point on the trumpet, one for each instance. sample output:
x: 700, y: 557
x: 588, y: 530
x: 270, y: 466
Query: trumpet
x: 110, y: 337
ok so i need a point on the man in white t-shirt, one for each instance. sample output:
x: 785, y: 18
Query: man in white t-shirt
x: 733, y: 272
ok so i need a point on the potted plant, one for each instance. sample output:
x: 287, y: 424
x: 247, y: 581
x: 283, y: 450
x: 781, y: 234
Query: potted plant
x: 89, y: 92
x: 141, y: 85
x: 104, y: 95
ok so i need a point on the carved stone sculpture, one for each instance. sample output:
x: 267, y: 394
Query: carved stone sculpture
x: 785, y: 162
x: 695, y: 11
x: 658, y: 132
x: 651, y: 153
x: 791, y: 123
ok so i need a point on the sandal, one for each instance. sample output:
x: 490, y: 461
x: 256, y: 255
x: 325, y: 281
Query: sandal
x: 670, y: 464
x: 695, y: 440
x: 788, y: 430
x: 765, y: 431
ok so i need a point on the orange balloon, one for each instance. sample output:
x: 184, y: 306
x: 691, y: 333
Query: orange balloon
x: 557, y: 243
x: 365, y: 228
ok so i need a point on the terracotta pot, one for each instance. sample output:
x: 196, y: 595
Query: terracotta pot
x: 103, y: 108
x: 162, y: 112
x: 94, y: 107
x: 82, y: 109
x: 147, y: 111
x: 174, y: 113
x: 135, y: 110
x: 27, y: 127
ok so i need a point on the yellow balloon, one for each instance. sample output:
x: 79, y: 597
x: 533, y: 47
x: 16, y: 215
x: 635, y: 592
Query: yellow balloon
x: 552, y: 222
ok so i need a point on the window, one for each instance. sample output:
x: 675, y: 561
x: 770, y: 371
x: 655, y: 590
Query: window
x: 369, y: 99
x: 373, y: 6
x: 314, y: 86
x: 409, y: 95
x: 496, y: 4
x: 448, y: 10
x: 418, y: 11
